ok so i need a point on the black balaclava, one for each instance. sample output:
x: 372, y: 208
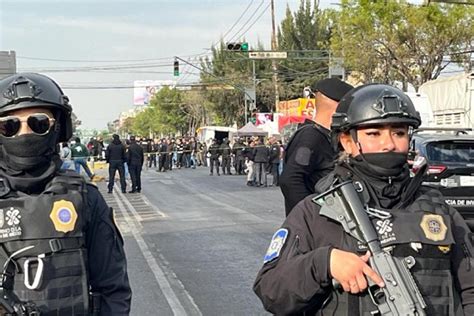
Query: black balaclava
x: 385, y: 174
x: 29, y: 160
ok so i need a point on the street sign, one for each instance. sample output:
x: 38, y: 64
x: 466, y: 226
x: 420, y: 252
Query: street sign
x: 268, y: 55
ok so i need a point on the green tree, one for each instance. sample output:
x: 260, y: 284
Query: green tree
x: 306, y: 29
x: 393, y: 40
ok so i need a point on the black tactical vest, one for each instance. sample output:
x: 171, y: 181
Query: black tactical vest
x: 422, y: 230
x: 43, y: 247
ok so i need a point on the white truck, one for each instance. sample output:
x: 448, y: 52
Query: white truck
x: 206, y: 133
x: 452, y: 100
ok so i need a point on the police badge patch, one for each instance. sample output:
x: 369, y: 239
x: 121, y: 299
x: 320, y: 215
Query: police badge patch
x: 64, y: 216
x: 433, y: 226
x: 278, y: 240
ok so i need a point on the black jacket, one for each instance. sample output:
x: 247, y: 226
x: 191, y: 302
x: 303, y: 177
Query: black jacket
x: 214, y: 150
x: 261, y: 153
x: 274, y: 153
x: 225, y: 150
x: 309, y: 156
x: 298, y: 280
x: 115, y: 152
x: 135, y: 154
x: 107, y: 262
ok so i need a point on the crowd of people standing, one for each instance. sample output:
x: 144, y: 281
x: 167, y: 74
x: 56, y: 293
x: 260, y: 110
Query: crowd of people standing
x: 254, y: 157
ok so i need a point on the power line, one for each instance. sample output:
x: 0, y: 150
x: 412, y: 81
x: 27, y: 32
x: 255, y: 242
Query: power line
x: 103, y: 61
x: 238, y: 20
x: 246, y: 22
x: 256, y: 20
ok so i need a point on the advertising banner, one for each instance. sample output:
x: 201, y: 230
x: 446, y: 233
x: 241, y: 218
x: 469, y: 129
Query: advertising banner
x: 144, y: 90
x: 298, y: 107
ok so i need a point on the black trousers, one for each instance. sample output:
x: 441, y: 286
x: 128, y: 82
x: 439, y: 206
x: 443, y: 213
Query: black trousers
x: 135, y: 174
x: 214, y: 162
x: 152, y: 160
x: 226, y: 164
x: 162, y: 162
x: 275, y: 173
x: 115, y: 165
x: 239, y: 164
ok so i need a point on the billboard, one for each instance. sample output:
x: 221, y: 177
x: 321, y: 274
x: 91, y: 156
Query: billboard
x: 298, y: 107
x: 144, y: 90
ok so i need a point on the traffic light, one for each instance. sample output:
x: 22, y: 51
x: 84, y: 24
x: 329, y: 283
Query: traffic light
x: 176, y: 68
x: 240, y: 46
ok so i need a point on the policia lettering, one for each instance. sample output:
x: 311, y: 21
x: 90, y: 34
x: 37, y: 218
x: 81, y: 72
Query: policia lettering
x: 45, y: 262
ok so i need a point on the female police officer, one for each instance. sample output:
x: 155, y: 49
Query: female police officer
x: 61, y: 253
x: 309, y: 252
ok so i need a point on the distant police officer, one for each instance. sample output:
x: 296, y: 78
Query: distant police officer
x: 226, y: 159
x: 309, y: 155
x: 135, y: 158
x: 213, y: 153
x: 373, y: 124
x: 115, y: 155
x: 61, y: 253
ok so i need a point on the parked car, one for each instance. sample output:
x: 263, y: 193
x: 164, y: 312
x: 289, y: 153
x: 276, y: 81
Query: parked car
x: 449, y: 154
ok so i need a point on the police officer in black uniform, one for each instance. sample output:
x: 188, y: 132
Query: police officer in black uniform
x: 373, y: 124
x: 115, y: 156
x: 226, y: 152
x: 214, y: 152
x: 61, y: 252
x: 309, y: 155
x: 135, y: 158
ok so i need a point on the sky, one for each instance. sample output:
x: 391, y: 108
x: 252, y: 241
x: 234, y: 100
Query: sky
x: 83, y: 33
x: 61, y: 37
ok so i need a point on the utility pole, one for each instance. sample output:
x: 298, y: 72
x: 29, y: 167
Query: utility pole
x: 274, y: 62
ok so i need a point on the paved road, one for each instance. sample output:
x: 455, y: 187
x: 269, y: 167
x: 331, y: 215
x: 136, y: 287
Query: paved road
x: 194, y: 242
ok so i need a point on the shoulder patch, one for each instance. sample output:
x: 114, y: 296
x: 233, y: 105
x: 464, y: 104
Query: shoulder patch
x: 303, y: 156
x: 277, y: 243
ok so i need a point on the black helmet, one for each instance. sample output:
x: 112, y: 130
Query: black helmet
x: 28, y: 90
x: 374, y: 104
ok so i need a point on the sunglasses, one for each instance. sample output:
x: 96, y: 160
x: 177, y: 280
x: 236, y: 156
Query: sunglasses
x: 39, y: 123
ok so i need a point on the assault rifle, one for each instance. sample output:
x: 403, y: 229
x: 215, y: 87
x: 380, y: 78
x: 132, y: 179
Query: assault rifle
x: 400, y: 296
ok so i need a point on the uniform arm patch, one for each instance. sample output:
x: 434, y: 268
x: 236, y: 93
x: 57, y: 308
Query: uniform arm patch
x: 303, y: 156
x: 277, y: 243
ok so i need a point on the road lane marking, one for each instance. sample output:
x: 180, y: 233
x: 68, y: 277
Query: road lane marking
x: 158, y: 273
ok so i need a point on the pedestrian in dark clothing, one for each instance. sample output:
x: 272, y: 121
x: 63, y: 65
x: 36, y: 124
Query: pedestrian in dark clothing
x: 203, y: 150
x: 274, y: 160
x: 261, y: 154
x: 162, y: 155
x: 214, y: 152
x: 116, y: 157
x: 309, y: 155
x: 171, y: 152
x: 186, y: 154
x: 239, y: 159
x: 135, y: 160
x: 226, y: 152
x: 152, y: 157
